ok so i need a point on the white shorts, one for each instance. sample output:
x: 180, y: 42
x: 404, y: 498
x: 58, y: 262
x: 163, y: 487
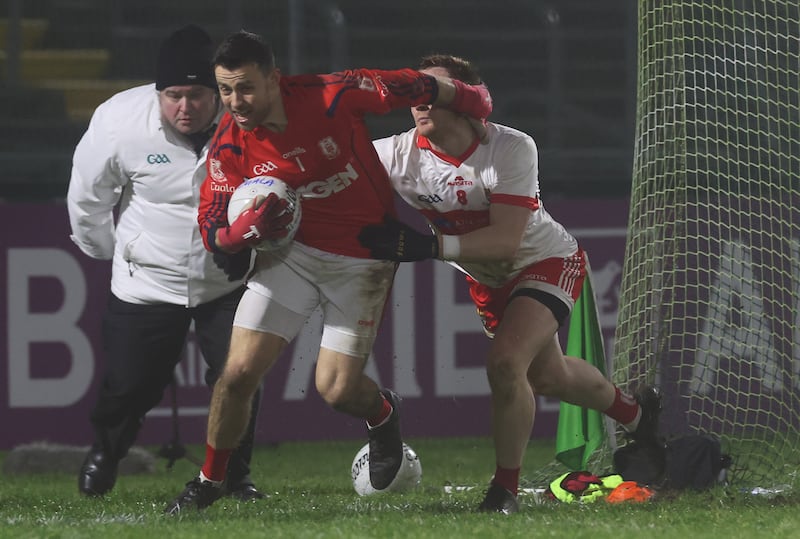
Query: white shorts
x: 287, y: 286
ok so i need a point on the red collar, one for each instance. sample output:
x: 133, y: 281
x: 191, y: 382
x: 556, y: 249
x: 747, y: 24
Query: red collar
x: 425, y: 144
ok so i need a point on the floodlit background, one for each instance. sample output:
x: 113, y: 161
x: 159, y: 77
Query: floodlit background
x: 563, y: 71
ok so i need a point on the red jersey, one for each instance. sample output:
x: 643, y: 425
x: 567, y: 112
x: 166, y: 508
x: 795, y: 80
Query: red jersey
x: 325, y: 153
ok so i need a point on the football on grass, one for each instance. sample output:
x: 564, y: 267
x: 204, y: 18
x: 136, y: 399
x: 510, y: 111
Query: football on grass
x: 408, y: 476
x: 262, y: 186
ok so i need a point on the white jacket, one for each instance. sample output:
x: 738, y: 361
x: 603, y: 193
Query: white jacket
x: 128, y: 156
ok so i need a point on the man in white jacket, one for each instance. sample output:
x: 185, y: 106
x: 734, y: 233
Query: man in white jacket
x: 144, y: 155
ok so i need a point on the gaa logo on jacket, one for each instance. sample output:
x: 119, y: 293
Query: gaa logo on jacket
x: 158, y: 159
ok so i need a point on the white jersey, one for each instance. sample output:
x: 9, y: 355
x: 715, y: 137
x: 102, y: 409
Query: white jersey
x: 454, y: 194
x: 129, y: 157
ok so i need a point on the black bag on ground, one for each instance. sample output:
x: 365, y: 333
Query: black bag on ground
x: 695, y: 461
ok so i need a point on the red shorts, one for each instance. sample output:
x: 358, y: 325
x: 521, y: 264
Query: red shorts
x: 561, y: 278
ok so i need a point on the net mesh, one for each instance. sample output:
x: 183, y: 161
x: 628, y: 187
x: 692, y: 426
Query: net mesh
x: 710, y: 294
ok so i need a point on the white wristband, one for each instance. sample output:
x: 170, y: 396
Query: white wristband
x: 451, y: 247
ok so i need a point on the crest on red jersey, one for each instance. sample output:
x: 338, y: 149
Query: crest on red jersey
x: 215, y: 168
x: 329, y: 148
x: 366, y: 83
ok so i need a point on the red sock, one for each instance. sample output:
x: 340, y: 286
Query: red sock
x: 383, y: 415
x: 216, y: 464
x: 624, y: 409
x: 507, y: 478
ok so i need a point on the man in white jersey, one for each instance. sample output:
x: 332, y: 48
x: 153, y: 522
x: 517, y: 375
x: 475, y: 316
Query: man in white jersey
x: 525, y: 271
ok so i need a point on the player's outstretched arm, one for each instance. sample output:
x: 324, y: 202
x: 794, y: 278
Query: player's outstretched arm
x: 500, y: 240
x: 395, y: 240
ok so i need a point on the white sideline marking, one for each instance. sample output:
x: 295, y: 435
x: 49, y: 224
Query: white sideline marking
x: 536, y: 493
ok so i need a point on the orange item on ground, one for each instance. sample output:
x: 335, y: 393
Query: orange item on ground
x: 630, y: 491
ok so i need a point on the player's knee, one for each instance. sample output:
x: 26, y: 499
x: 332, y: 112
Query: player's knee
x: 240, y: 378
x: 337, y: 396
x: 503, y: 371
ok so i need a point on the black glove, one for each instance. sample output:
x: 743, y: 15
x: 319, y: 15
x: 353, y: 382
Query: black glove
x: 397, y: 241
x: 235, y: 265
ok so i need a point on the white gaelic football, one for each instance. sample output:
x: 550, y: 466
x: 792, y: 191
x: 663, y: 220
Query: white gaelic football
x: 408, y: 476
x: 263, y: 186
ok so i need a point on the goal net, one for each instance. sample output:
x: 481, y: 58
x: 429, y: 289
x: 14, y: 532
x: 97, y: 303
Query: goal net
x: 710, y: 292
x: 710, y: 296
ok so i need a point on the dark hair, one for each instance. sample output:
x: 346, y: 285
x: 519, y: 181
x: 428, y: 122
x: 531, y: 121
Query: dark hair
x: 456, y: 67
x: 242, y: 48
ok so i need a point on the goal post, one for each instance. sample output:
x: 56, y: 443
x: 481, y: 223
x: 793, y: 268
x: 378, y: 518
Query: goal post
x: 709, y: 306
x: 710, y: 292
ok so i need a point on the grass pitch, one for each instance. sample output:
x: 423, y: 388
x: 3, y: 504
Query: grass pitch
x: 310, y: 495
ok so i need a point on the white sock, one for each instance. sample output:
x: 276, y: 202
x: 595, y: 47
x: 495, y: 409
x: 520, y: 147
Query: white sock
x: 631, y: 427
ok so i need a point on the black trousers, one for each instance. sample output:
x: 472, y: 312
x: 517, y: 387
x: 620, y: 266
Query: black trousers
x: 143, y: 344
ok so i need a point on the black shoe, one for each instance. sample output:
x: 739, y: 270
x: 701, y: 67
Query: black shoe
x: 386, y: 446
x: 649, y: 398
x: 244, y: 490
x: 499, y: 500
x: 98, y: 473
x: 198, y: 494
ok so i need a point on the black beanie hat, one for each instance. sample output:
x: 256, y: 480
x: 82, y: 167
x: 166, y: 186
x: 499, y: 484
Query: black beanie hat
x: 185, y: 59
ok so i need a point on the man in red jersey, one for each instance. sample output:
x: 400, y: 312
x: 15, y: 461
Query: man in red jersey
x: 309, y: 131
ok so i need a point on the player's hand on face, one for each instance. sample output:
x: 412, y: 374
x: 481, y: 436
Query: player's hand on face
x: 474, y: 100
x: 395, y: 240
x: 486, y: 100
